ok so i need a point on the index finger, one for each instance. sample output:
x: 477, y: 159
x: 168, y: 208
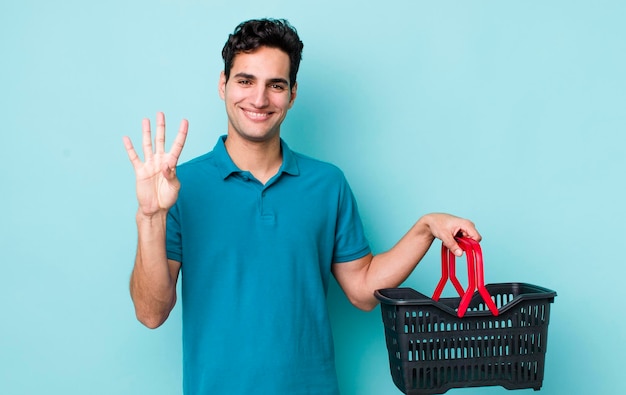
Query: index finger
x: 465, y: 228
x: 469, y: 230
x: 179, y: 143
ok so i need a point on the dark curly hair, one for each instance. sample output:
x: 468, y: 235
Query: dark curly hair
x: 255, y: 33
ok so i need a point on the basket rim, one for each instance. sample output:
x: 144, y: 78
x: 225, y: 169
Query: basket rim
x: 533, y: 292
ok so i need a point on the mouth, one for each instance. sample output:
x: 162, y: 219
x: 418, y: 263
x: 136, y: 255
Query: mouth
x: 257, y: 115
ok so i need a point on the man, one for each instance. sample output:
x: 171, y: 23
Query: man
x: 256, y: 229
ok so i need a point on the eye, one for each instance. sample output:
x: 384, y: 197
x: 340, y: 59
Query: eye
x: 278, y: 87
x: 244, y: 82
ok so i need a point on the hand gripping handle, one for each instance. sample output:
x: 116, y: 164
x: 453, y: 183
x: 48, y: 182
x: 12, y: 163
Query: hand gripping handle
x: 475, y: 275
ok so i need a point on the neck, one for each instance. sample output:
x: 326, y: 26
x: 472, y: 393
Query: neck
x: 261, y: 158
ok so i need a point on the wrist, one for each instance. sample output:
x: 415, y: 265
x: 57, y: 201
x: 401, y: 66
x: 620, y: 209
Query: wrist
x: 423, y: 229
x: 144, y: 217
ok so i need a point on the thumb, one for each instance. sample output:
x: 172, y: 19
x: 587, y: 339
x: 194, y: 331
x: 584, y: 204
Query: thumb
x: 452, y: 245
x: 169, y: 172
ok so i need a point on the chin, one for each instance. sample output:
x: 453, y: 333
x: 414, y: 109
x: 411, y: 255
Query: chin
x: 259, y: 137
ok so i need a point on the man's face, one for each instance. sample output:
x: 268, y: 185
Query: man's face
x: 257, y: 94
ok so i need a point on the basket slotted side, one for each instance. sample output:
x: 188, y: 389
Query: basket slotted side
x: 431, y: 350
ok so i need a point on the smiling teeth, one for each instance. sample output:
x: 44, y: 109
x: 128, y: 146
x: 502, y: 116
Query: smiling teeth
x: 258, y: 115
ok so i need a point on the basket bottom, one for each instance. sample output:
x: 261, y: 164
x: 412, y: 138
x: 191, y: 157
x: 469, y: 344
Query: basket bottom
x: 438, y: 380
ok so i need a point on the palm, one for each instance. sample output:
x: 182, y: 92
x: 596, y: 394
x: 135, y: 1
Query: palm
x: 154, y: 190
x: 157, y: 184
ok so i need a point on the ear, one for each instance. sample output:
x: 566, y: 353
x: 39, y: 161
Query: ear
x: 294, y: 93
x: 221, y: 86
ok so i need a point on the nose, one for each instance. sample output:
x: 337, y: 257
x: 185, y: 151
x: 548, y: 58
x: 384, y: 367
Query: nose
x: 260, y: 97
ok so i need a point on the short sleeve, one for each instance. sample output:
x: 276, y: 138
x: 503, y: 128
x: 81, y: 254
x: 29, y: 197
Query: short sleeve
x: 350, y: 240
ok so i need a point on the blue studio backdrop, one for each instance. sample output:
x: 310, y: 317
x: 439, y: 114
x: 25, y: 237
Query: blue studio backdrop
x: 510, y: 113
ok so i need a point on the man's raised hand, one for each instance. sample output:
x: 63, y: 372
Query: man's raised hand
x: 157, y: 184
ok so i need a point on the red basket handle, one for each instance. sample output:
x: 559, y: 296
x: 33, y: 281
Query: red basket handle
x: 475, y: 275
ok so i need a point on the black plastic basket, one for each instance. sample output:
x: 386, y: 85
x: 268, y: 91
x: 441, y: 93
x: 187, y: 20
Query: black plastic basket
x: 432, y: 350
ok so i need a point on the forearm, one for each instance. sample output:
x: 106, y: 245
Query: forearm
x: 389, y: 269
x: 393, y: 267
x: 152, y: 285
x: 360, y: 278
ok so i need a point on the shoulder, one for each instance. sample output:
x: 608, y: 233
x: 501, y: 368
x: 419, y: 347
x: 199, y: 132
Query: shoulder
x: 316, y: 176
x: 308, y: 165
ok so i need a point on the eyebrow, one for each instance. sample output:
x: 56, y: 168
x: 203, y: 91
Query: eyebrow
x: 246, y: 76
x: 252, y: 77
x: 279, y: 81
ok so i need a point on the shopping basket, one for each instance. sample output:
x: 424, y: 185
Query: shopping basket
x: 494, y: 334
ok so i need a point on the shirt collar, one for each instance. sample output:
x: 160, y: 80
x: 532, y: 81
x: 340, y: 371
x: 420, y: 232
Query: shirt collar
x: 226, y: 166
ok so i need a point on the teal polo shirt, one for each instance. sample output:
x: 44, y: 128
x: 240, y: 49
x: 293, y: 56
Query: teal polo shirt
x: 256, y: 261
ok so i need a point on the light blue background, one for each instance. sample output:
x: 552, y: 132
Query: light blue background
x: 509, y: 113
